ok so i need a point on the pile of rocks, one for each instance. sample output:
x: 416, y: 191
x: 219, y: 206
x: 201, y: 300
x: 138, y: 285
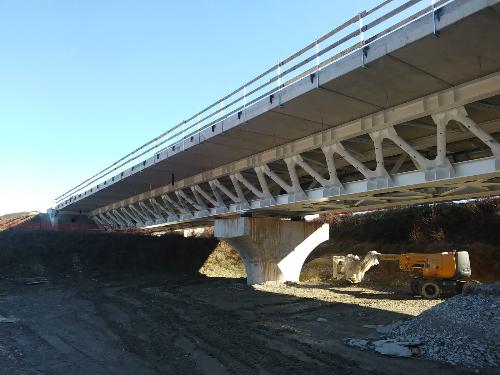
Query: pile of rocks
x: 463, y: 330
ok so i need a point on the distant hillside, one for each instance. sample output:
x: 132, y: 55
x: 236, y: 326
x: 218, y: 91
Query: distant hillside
x: 15, y: 219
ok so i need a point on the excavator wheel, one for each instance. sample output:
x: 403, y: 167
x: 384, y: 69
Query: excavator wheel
x: 430, y: 289
x: 415, y: 284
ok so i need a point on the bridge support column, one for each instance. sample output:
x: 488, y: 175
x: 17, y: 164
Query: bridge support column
x: 272, y: 249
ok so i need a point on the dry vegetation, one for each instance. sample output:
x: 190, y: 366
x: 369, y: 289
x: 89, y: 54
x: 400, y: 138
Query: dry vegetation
x: 15, y: 219
x: 472, y: 226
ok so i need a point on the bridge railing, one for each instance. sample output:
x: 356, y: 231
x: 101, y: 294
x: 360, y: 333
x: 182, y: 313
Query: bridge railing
x: 353, y: 35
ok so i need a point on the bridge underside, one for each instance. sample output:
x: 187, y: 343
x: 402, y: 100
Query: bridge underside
x: 437, y: 148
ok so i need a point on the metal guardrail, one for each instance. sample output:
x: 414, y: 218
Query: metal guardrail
x: 353, y: 35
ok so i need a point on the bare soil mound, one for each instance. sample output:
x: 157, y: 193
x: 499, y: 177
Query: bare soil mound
x: 223, y: 262
x: 17, y: 219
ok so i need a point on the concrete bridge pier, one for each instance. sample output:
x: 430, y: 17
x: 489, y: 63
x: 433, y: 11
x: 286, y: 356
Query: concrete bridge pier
x: 272, y: 249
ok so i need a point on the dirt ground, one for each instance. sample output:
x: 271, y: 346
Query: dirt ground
x: 181, y: 324
x: 98, y: 303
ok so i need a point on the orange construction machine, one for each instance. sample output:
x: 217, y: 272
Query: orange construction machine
x: 435, y: 275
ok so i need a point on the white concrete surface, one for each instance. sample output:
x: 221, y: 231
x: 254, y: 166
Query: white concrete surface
x: 272, y: 249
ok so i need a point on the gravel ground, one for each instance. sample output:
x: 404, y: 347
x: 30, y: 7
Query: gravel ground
x: 171, y: 324
x: 393, y: 299
x: 463, y: 330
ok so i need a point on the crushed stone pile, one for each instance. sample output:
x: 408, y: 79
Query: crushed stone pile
x: 464, y: 330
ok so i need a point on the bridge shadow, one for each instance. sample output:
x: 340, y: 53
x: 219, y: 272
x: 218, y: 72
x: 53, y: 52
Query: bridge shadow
x: 62, y: 253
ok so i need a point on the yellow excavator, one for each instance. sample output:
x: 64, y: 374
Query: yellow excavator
x: 435, y: 275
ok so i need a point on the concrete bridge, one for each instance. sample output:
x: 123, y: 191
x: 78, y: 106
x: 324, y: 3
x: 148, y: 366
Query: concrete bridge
x: 399, y: 105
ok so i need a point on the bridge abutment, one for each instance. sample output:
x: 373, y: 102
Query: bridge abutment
x: 272, y: 249
x: 70, y: 220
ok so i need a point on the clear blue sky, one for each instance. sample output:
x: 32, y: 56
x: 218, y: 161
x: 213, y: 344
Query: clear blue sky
x: 84, y: 82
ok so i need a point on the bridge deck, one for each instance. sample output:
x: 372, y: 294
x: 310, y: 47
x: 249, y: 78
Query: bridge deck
x: 407, y: 64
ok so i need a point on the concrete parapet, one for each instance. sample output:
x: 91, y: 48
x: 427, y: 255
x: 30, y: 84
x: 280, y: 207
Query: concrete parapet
x: 272, y: 249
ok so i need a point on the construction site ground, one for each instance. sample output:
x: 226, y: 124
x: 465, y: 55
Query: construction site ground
x: 181, y: 324
x: 105, y: 303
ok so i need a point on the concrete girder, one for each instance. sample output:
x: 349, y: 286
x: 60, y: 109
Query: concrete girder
x: 217, y: 200
x: 149, y: 211
x: 219, y: 203
x: 183, y: 197
x: 216, y: 184
x: 129, y: 214
x: 238, y: 177
x: 460, y: 115
x: 114, y: 219
x: 202, y: 196
x: 201, y: 206
x: 141, y: 215
x: 395, y: 168
x: 264, y: 186
x: 376, y: 180
x: 100, y: 222
x: 362, y: 201
x: 128, y: 222
x: 160, y: 208
x: 438, y: 168
x: 238, y: 190
x: 106, y: 220
x: 169, y: 201
x: 478, y: 89
x: 298, y: 160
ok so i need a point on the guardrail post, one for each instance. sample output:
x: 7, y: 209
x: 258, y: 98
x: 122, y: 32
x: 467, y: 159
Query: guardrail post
x: 244, y: 97
x: 361, y: 31
x: 279, y: 84
x: 182, y: 134
x: 279, y: 74
x: 436, y: 17
x: 245, y: 103
x: 221, y: 110
x: 364, y: 49
x: 317, y: 64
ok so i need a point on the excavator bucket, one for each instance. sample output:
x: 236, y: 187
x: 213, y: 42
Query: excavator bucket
x: 352, y: 268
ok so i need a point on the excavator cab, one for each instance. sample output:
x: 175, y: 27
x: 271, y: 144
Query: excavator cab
x: 445, y: 274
